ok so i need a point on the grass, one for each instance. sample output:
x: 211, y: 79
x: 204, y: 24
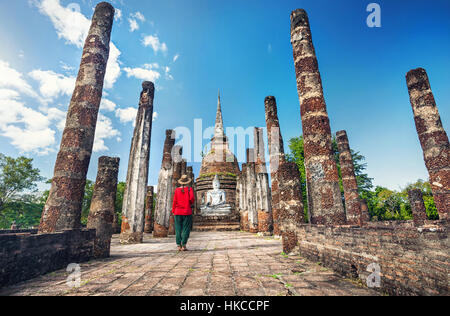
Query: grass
x: 275, y: 276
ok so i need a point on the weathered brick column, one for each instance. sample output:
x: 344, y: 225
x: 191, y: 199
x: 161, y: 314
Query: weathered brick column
x: 418, y: 208
x: 133, y: 210
x: 148, y: 229
x: 276, y: 154
x: 63, y: 207
x: 101, y: 214
x: 433, y: 138
x: 287, y: 205
x: 291, y: 210
x: 243, y: 201
x: 263, y: 194
x: 365, y: 216
x: 352, y: 201
x: 324, y: 195
x: 165, y: 188
x: 251, y: 191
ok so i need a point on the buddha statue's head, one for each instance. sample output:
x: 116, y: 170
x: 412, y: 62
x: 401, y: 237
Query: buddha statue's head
x: 216, y: 183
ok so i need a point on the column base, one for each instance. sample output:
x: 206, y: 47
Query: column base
x: 160, y: 231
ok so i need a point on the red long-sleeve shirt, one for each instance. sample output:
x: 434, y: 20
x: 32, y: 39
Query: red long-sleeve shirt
x: 182, y: 202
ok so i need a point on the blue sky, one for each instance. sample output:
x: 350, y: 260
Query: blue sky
x: 193, y: 48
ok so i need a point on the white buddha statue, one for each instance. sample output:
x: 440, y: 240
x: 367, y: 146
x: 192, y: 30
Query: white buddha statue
x: 215, y: 203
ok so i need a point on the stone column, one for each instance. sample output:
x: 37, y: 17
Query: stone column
x: 243, y: 210
x: 190, y: 173
x: 291, y: 210
x: 133, y: 210
x: 352, y: 201
x: 276, y: 154
x: 365, y: 216
x: 163, y: 206
x: 63, y: 207
x: 251, y: 191
x: 116, y: 226
x: 101, y: 214
x: 148, y: 229
x: 433, y: 138
x: 264, y: 197
x: 418, y: 208
x: 324, y: 195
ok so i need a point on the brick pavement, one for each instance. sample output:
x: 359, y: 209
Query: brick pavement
x: 218, y: 264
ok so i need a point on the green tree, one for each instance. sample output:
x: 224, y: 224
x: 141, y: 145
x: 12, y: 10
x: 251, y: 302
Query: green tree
x: 119, y: 201
x: 428, y: 199
x: 18, y: 183
x: 297, y: 155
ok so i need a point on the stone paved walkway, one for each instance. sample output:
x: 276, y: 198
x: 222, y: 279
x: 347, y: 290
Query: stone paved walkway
x: 218, y: 264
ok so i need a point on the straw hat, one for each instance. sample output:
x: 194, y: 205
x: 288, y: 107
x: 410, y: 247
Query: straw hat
x: 184, y: 180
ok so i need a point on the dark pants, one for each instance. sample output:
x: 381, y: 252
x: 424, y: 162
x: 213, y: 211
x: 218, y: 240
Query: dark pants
x: 183, y: 226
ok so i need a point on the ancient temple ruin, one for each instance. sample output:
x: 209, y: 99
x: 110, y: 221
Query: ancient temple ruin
x: 133, y: 210
x: 411, y: 257
x: 217, y: 178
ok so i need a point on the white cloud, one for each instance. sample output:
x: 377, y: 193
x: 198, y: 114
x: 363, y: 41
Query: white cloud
x: 8, y: 94
x: 154, y: 42
x: 113, y: 67
x: 175, y: 58
x: 29, y: 130
x: 11, y: 78
x: 66, y: 67
x: 70, y: 24
x: 107, y: 105
x: 73, y: 26
x: 127, y: 115
x: 118, y: 15
x: 139, y: 16
x: 53, y: 85
x: 104, y: 130
x: 134, y: 26
x: 59, y: 116
x: 146, y: 73
x: 155, y: 116
x: 133, y: 20
x: 168, y: 75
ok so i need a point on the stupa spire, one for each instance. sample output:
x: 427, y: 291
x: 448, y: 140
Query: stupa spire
x: 218, y: 129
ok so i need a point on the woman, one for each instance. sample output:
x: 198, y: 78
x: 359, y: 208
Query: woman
x: 183, y: 201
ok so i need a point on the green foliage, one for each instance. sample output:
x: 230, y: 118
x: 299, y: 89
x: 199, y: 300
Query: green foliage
x: 18, y: 181
x: 297, y: 155
x: 222, y: 174
x: 119, y: 201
